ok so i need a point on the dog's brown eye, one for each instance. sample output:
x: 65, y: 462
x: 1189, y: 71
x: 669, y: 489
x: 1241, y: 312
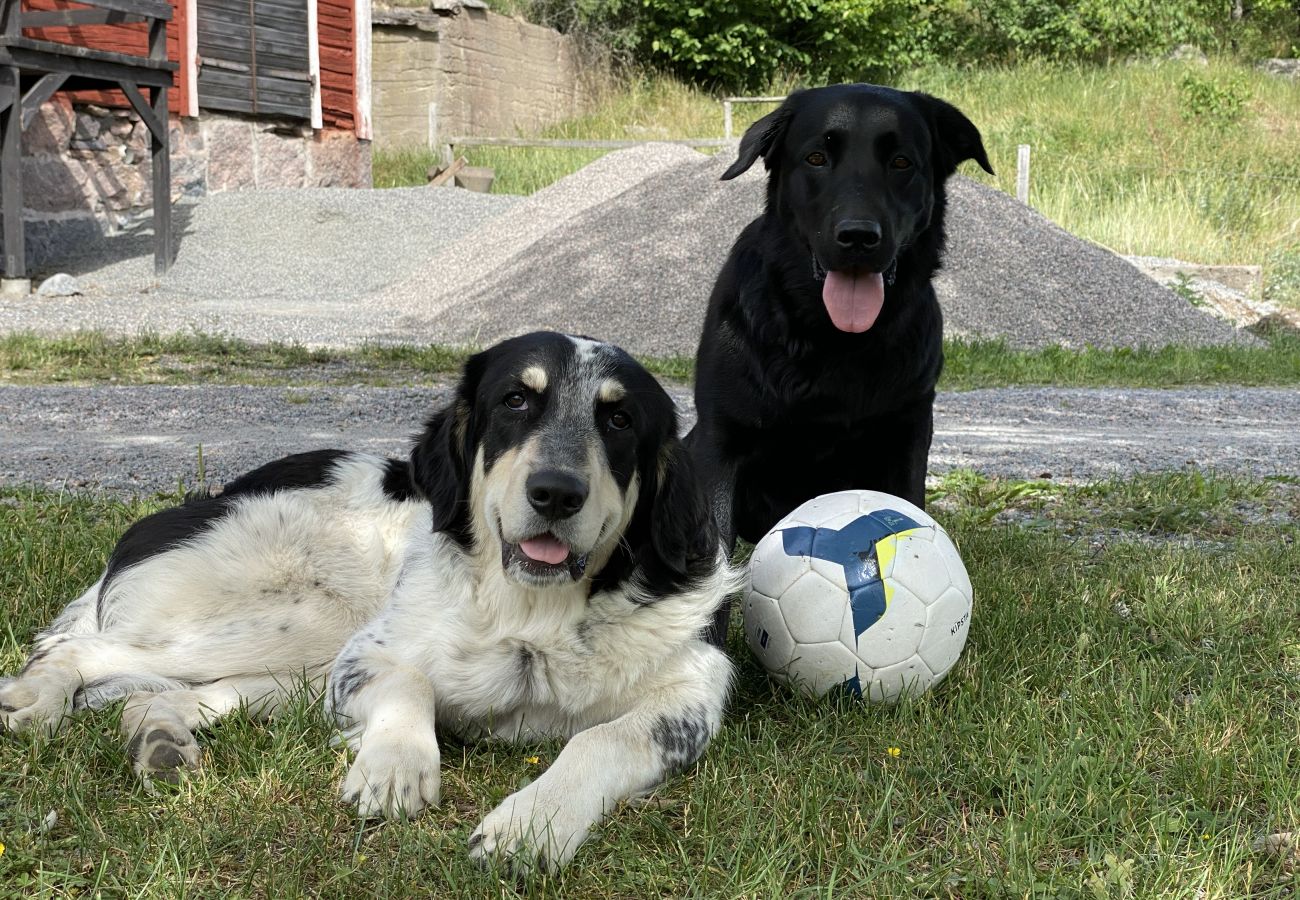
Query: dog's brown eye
x: 516, y: 401
x: 619, y: 420
x: 816, y: 158
x: 900, y: 162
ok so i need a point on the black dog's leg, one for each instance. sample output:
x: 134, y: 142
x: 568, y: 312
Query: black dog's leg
x: 719, y: 479
x: 902, y: 470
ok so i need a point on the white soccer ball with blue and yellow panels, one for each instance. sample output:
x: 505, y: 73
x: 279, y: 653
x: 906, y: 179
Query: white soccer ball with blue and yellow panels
x: 858, y: 591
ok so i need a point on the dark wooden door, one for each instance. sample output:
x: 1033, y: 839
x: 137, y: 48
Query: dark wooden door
x: 254, y: 57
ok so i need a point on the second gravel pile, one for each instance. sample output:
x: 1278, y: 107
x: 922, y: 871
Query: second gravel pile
x: 627, y: 249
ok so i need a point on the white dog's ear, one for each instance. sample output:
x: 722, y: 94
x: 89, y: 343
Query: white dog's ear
x: 763, y: 139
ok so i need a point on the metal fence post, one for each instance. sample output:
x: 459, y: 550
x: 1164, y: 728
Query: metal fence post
x: 726, y: 119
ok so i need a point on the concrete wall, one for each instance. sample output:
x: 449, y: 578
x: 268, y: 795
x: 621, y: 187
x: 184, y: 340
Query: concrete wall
x: 471, y: 72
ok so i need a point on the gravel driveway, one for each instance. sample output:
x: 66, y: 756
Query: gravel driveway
x: 144, y: 439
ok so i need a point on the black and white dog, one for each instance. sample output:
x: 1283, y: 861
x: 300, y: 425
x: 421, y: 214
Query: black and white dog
x: 543, y: 566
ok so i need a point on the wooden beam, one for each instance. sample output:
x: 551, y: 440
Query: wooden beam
x: 142, y: 109
x: 154, y: 9
x: 67, y: 18
x: 581, y: 144
x: 38, y: 93
x: 162, y: 183
x: 11, y: 180
x: 47, y: 56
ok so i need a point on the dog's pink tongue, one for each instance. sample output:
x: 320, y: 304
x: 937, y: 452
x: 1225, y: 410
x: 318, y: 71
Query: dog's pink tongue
x: 853, y: 300
x: 545, y: 549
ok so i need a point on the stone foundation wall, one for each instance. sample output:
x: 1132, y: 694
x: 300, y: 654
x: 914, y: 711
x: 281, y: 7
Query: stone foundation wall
x: 86, y: 161
x: 473, y: 72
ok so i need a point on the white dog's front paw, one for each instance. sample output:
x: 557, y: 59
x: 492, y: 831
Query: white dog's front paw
x: 394, y: 777
x: 532, y: 828
x: 27, y: 703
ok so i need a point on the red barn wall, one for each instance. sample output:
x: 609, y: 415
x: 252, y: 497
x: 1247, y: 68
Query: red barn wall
x: 338, y: 77
x: 132, y: 38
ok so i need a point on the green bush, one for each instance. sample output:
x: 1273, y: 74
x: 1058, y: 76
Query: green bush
x: 1072, y: 30
x: 749, y: 44
x: 736, y: 44
x: 1217, y: 101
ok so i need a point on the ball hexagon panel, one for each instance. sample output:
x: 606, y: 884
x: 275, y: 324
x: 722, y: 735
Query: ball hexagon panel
x: 957, y: 573
x: 912, y: 677
x: 887, y: 549
x: 870, y: 501
x: 771, y: 570
x: 766, y: 633
x: 820, y: 667
x: 818, y: 510
x: 897, y: 634
x: 919, y: 566
x: 946, y: 630
x: 830, y: 570
x: 814, y: 609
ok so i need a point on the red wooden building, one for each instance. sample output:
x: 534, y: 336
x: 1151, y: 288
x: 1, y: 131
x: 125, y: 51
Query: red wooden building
x: 307, y: 60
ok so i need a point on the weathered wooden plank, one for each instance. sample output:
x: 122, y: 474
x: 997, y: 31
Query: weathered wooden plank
x: 67, y: 18
x: 41, y: 91
x: 154, y: 9
x: 235, y: 20
x: 239, y: 84
x: 581, y: 144
x: 11, y: 179
x: 28, y: 54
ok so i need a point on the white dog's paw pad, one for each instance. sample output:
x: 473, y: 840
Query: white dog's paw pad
x: 392, y: 781
x: 25, y: 704
x: 162, y: 750
x: 526, y: 833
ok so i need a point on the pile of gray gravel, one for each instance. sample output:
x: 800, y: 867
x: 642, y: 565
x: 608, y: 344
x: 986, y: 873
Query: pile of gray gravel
x: 635, y: 268
x: 1010, y: 273
x: 626, y: 249
x: 638, y: 268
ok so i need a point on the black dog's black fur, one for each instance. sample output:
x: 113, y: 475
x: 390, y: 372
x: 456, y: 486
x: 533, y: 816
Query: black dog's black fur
x: 789, y: 406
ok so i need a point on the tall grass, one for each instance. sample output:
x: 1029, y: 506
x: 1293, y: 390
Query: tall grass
x: 1117, y: 156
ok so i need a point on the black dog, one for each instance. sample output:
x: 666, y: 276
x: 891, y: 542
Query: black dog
x: 822, y: 345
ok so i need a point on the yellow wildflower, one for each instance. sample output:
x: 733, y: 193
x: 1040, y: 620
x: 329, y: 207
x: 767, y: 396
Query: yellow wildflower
x: 532, y: 760
x: 895, y: 752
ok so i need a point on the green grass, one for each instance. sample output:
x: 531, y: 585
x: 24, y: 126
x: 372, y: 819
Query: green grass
x: 1114, y: 158
x: 1123, y: 723
x: 93, y: 358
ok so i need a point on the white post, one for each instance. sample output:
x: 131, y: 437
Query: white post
x: 1022, y: 173
x: 361, y: 65
x: 313, y: 63
x: 726, y: 119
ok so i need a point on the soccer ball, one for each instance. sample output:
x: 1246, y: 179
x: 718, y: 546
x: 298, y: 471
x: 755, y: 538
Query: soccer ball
x: 861, y: 591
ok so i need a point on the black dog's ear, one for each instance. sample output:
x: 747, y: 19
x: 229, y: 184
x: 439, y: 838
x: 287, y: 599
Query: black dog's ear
x: 762, y: 138
x: 442, y: 454
x: 956, y: 138
x: 683, y: 533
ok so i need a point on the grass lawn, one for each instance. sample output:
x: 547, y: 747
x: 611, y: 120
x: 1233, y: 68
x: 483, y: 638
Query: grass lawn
x: 1125, y: 722
x: 1150, y: 159
x: 90, y: 358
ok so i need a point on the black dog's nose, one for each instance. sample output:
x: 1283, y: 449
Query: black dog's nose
x: 858, y: 234
x: 555, y: 494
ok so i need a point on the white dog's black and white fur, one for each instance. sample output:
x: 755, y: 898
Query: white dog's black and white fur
x: 543, y: 566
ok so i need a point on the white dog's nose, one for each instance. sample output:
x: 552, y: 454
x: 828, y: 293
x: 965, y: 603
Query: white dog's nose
x: 556, y: 494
